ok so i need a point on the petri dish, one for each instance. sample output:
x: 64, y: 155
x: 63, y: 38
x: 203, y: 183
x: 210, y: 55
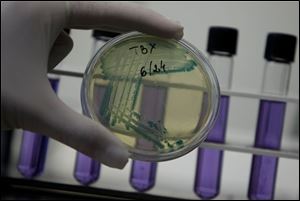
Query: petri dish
x: 160, y: 97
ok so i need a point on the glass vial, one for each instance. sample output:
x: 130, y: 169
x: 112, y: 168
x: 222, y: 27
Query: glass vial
x: 143, y: 173
x: 86, y: 169
x: 34, y: 146
x: 279, y: 53
x: 222, y: 45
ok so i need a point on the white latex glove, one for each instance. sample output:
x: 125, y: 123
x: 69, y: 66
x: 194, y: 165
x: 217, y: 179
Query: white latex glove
x: 33, y: 41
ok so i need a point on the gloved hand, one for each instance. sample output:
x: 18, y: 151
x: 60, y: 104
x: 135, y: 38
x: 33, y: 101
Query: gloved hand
x: 33, y: 41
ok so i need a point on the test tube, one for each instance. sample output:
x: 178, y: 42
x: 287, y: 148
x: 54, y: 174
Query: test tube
x: 222, y: 44
x: 34, y: 145
x: 279, y: 53
x: 143, y: 173
x: 34, y: 148
x: 86, y: 169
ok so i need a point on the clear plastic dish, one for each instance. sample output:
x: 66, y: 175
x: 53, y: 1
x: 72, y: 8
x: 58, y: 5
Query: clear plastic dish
x: 160, y: 97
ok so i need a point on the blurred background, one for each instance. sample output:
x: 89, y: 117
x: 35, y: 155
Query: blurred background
x: 254, y: 20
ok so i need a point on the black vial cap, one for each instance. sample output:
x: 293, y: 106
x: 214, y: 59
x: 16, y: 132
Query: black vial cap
x: 67, y: 31
x: 104, y: 34
x: 222, y: 40
x: 280, y: 47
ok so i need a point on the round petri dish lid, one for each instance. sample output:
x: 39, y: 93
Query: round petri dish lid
x: 160, y: 97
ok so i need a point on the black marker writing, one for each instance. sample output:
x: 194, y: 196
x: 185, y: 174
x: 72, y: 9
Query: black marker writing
x: 152, y: 46
x: 134, y: 47
x: 153, y: 68
x: 143, y: 49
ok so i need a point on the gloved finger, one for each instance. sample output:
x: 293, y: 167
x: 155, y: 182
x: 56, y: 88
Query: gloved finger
x: 56, y: 120
x: 60, y: 49
x: 121, y: 16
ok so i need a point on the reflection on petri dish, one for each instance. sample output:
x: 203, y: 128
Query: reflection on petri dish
x: 158, y: 96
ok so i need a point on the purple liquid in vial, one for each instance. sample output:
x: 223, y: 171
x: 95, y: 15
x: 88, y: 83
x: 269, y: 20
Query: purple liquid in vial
x: 143, y: 173
x: 268, y: 135
x: 34, y: 148
x: 209, y: 161
x: 86, y: 169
